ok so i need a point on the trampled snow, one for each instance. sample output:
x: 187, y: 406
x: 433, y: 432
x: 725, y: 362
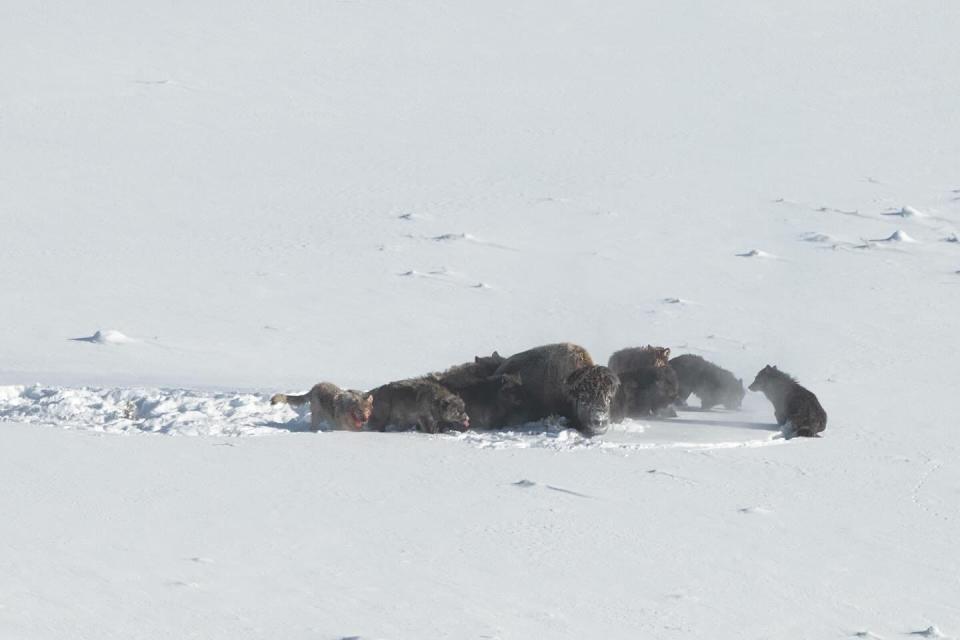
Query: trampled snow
x: 259, y: 199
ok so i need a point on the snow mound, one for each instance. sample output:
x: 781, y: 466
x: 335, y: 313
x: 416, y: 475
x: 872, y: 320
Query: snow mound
x: 907, y: 212
x: 107, y: 336
x: 952, y: 238
x: 896, y: 236
x: 755, y: 511
x: 755, y: 253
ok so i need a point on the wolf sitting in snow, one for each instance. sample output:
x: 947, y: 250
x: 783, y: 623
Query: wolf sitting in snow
x: 797, y: 410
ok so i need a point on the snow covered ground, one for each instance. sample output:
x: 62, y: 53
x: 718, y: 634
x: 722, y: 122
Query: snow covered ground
x: 202, y: 206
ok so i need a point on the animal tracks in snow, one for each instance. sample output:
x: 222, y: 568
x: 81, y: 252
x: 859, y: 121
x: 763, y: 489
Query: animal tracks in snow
x: 466, y: 237
x: 918, y: 231
x: 527, y: 484
x: 444, y: 274
x: 447, y: 276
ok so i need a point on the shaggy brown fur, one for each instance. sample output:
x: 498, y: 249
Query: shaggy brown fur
x: 645, y: 391
x: 544, y: 372
x: 590, y: 391
x: 468, y: 373
x: 489, y: 399
x: 712, y: 384
x: 795, y: 407
x: 639, y: 357
x: 419, y: 404
x: 344, y: 409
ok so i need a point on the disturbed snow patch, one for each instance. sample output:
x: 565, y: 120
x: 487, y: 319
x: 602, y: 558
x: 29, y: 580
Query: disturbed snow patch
x: 631, y: 435
x: 169, y: 411
x: 814, y: 236
x: 551, y: 433
x: 187, y: 412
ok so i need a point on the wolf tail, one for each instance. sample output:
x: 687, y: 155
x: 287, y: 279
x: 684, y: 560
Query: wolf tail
x: 282, y: 398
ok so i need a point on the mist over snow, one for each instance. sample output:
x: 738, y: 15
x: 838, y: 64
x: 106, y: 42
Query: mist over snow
x: 202, y: 205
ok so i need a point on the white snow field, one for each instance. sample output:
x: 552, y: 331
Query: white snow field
x: 202, y: 204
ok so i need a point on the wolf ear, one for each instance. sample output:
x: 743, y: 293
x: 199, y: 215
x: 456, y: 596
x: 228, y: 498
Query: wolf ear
x: 369, y: 398
x: 666, y: 352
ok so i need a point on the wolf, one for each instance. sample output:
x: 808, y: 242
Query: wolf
x: 489, y: 399
x: 712, y: 384
x: 345, y: 409
x: 796, y: 408
x: 420, y: 404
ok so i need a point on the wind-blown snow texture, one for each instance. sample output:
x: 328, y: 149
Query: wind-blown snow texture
x: 201, y: 206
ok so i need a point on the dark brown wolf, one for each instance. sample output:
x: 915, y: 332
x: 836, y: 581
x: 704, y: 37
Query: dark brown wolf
x: 419, y: 404
x: 712, y: 384
x: 796, y: 408
x: 490, y: 399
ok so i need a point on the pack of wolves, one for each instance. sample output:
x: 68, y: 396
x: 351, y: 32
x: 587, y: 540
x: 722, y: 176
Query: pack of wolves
x: 556, y: 380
